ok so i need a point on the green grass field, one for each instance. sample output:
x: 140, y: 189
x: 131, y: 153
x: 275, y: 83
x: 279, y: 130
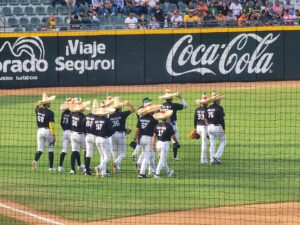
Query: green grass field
x: 261, y: 161
x: 9, y: 221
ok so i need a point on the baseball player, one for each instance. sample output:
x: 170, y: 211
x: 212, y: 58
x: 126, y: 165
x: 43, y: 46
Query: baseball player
x: 163, y: 133
x: 45, y: 133
x: 78, y: 133
x: 118, y: 139
x: 216, y: 127
x: 103, y: 129
x: 144, y: 130
x: 65, y: 123
x: 168, y: 96
x: 90, y: 137
x: 200, y: 125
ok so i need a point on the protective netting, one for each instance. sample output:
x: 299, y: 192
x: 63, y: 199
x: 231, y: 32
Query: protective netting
x: 255, y: 180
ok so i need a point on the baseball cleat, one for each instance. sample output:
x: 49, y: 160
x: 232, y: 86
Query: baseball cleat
x: 97, y: 170
x: 60, y: 169
x: 141, y: 176
x: 81, y: 168
x: 114, y: 167
x: 176, y: 159
x: 217, y: 160
x: 133, y: 157
x: 171, y: 173
x: 52, y: 170
x: 204, y: 161
x: 35, y: 166
x: 138, y: 167
x: 72, y: 172
x: 88, y: 174
x: 156, y: 177
x: 212, y: 162
x: 105, y: 175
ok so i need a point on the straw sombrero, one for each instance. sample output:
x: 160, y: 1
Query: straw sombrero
x: 215, y: 97
x: 203, y: 100
x: 148, y: 108
x: 103, y: 110
x: 46, y: 99
x: 163, y: 114
x: 117, y: 103
x: 109, y: 99
x: 94, y: 105
x: 79, y: 105
x: 168, y: 94
x: 66, y: 104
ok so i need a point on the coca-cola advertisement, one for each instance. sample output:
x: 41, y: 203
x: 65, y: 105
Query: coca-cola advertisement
x: 147, y: 58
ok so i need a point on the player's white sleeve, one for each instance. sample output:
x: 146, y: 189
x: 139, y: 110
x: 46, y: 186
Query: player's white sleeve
x: 183, y: 103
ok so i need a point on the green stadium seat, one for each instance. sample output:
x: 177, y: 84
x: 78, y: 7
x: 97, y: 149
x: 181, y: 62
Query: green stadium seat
x: 51, y: 10
x: 29, y: 28
x: 6, y: 11
x: 35, y: 2
x: 13, y: 2
x: 182, y: 6
x: 19, y: 29
x: 3, y: 2
x: 40, y: 10
x: 12, y: 21
x: 45, y: 2
x: 59, y: 21
x: 24, y: 2
x: 24, y: 21
x: 18, y: 11
x: 62, y: 10
x: 29, y: 10
x: 35, y: 21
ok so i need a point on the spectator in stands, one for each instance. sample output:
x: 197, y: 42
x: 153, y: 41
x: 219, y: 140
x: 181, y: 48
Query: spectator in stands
x: 290, y: 7
x: 264, y: 17
x: 297, y: 16
x: 44, y: 25
x: 190, y: 6
x: 267, y: 7
x: 213, y: 9
x: 277, y: 8
x: 94, y: 17
x: 236, y: 8
x: 119, y: 5
x: 139, y: 7
x: 75, y: 23
x: 128, y: 7
x: 224, y: 8
x: 142, y: 22
x: 131, y: 21
x: 275, y: 19
x: 190, y: 20
x: 151, y: 6
x: 200, y: 16
x: 253, y: 19
x: 154, y: 24
x: 51, y: 23
x: 61, y: 2
x: 288, y: 19
x: 256, y: 8
x: 202, y: 6
x: 246, y: 8
x: 210, y: 20
x: 98, y: 6
x: 242, y: 20
x: 176, y: 20
x: 221, y: 19
x: 167, y: 22
x: 109, y: 8
x: 231, y: 19
x: 159, y: 14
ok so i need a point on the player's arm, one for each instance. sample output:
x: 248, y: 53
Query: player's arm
x: 137, y: 135
x: 195, y: 119
x: 174, y: 138
x: 183, y: 102
x: 131, y: 106
x: 154, y: 141
x: 222, y: 114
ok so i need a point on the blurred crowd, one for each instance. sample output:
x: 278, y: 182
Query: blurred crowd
x: 151, y: 14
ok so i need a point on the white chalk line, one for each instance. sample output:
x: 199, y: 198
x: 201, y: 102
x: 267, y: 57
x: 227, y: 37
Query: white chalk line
x: 31, y: 214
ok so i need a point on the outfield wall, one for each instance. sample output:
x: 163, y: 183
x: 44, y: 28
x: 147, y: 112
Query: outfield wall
x: 148, y: 56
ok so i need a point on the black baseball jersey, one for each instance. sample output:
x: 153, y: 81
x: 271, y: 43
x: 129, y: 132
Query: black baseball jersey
x: 43, y: 117
x: 102, y: 127
x: 200, y: 116
x: 164, y: 131
x: 215, y: 115
x: 118, y: 120
x: 78, y: 122
x: 146, y: 124
x: 89, y: 121
x: 65, y: 121
x: 174, y: 107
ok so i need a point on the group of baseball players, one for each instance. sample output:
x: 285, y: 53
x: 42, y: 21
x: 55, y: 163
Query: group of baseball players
x: 104, y: 128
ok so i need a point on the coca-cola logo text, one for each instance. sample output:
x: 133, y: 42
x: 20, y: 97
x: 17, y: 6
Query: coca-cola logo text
x: 199, y: 59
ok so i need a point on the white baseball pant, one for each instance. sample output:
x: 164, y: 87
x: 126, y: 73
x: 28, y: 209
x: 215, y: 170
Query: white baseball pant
x: 216, y: 132
x: 147, y: 154
x: 163, y: 149
x: 104, y: 150
x: 118, y: 147
x: 90, y: 140
x: 43, y: 136
x: 77, y: 141
x: 66, y: 140
x: 202, y: 131
x: 136, y: 150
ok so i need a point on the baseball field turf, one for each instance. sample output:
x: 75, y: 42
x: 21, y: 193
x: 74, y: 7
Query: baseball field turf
x: 261, y: 161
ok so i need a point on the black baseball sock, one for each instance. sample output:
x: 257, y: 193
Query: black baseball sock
x: 77, y: 156
x: 73, y: 158
x: 87, y: 164
x: 37, y: 156
x: 84, y: 154
x: 62, y: 158
x: 175, y: 150
x: 51, y: 159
